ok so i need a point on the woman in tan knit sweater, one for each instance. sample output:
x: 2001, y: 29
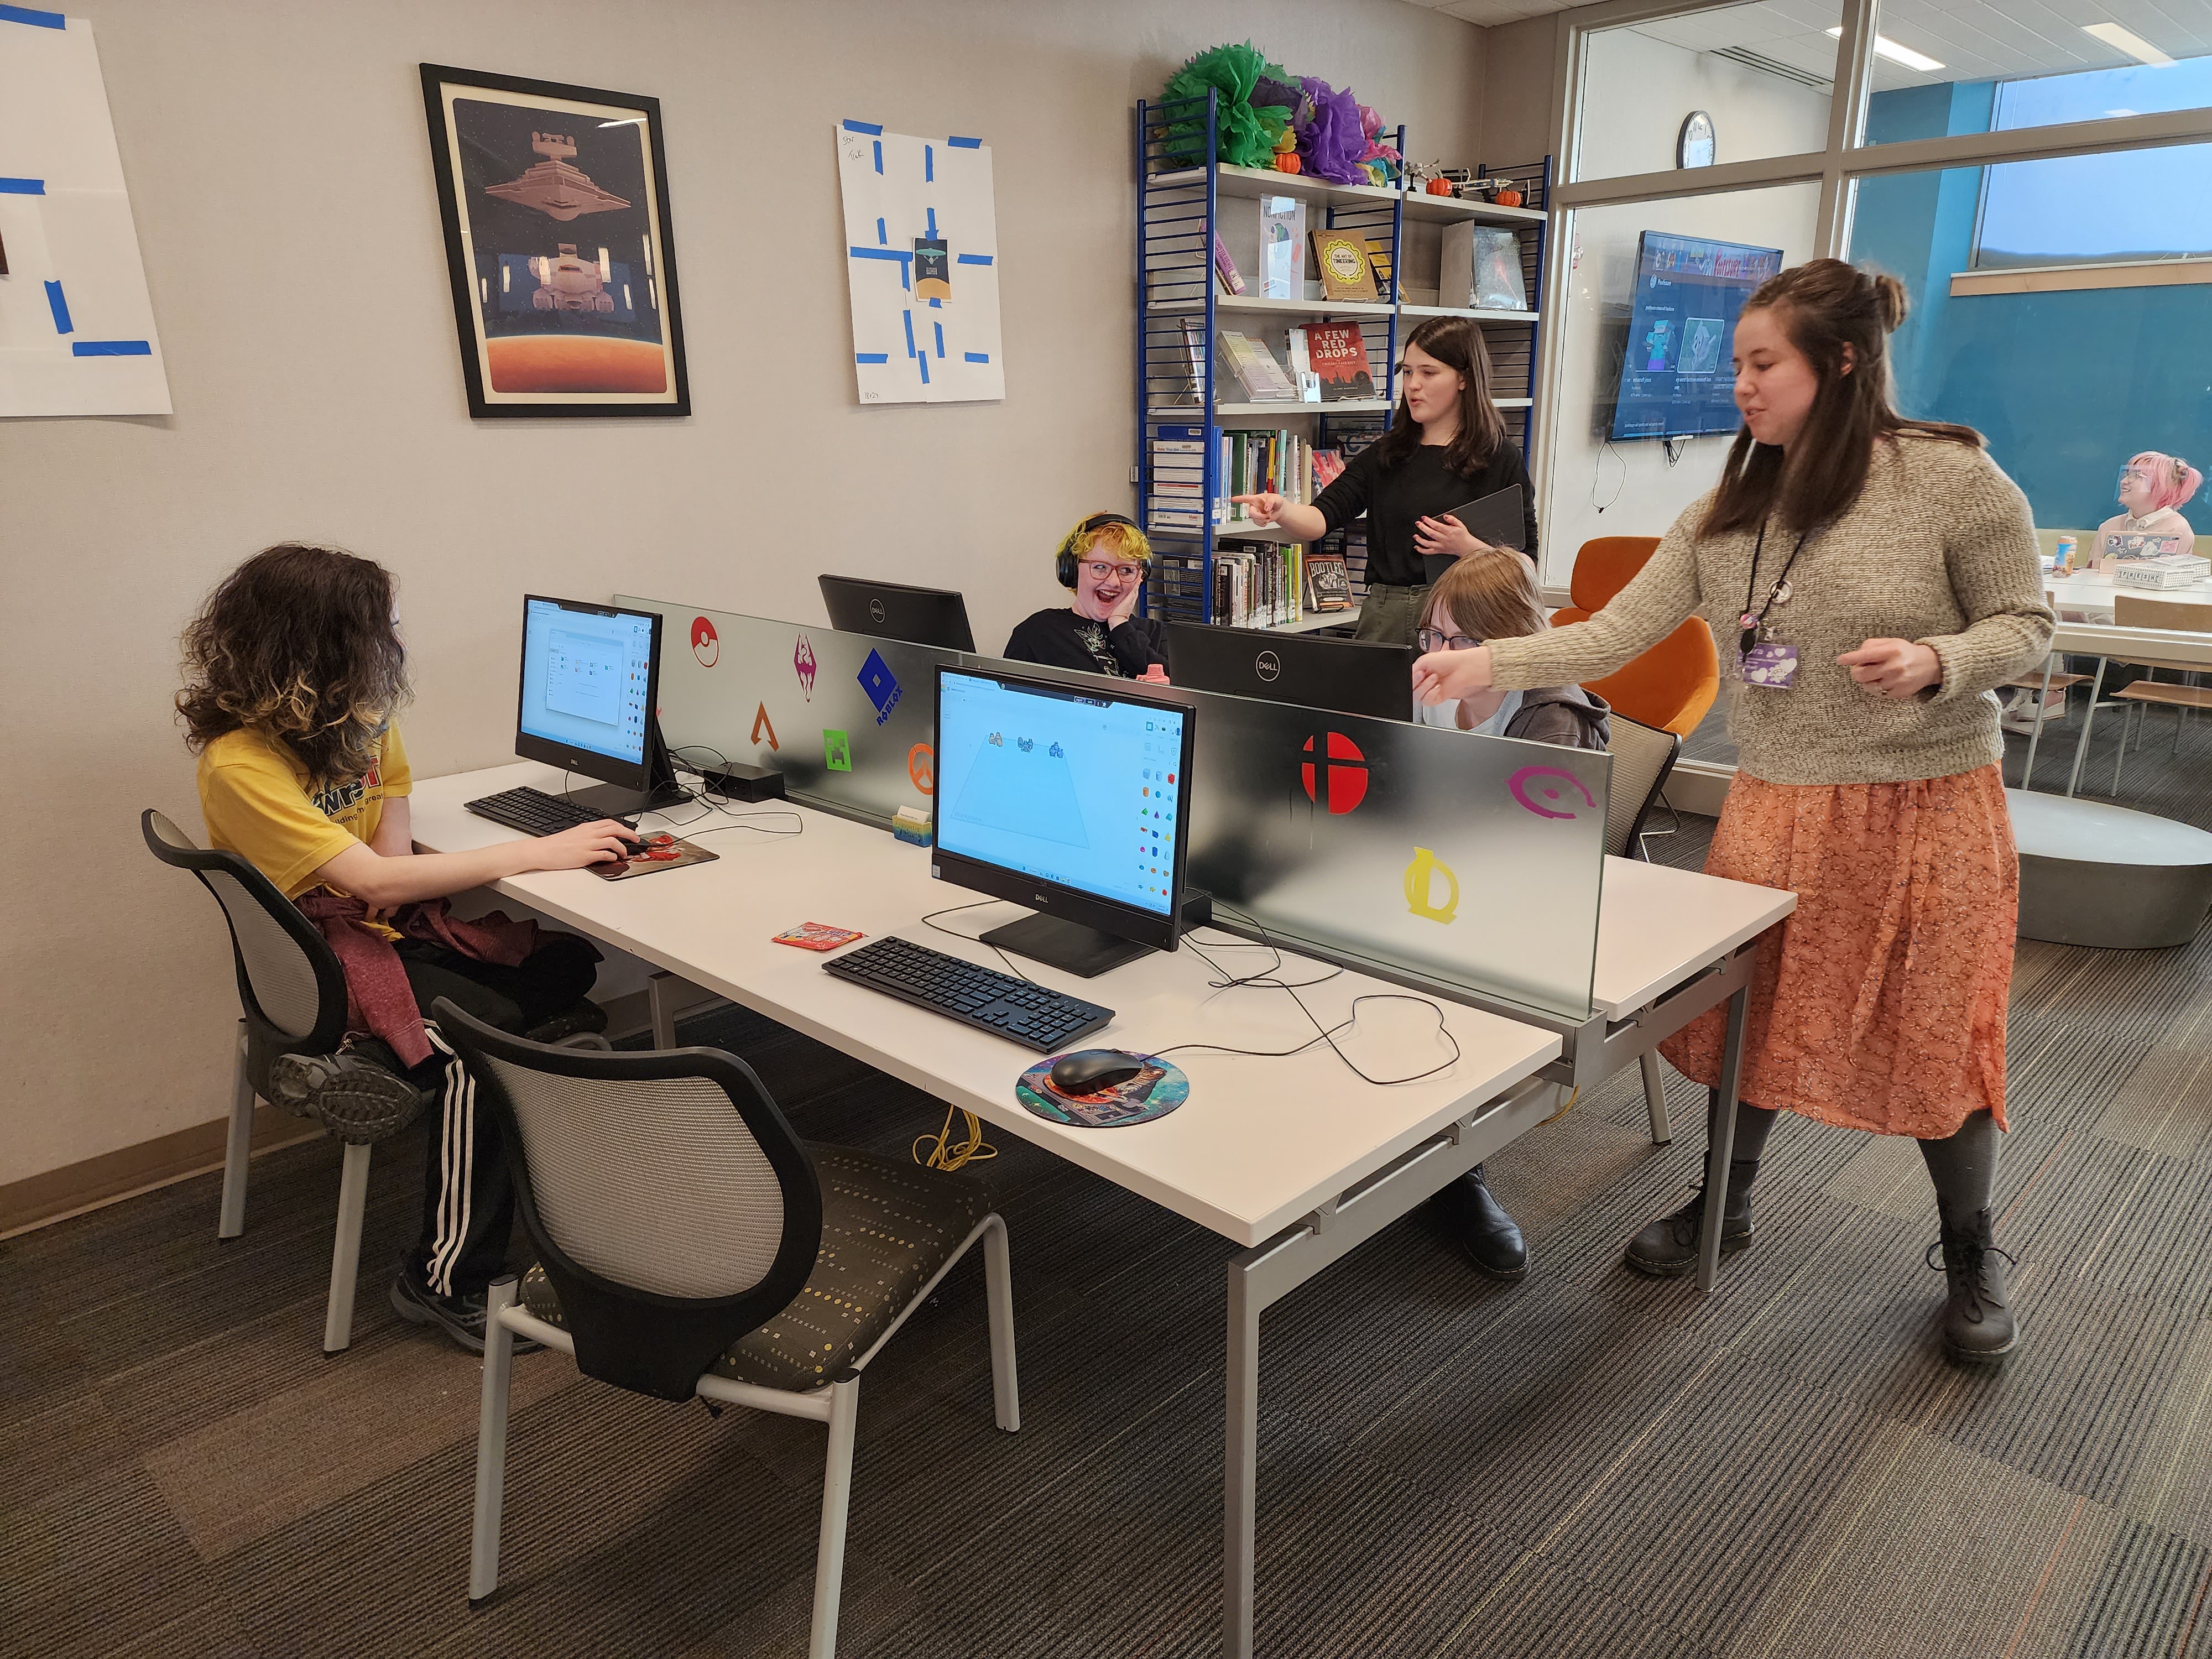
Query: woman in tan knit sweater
x: 1869, y: 580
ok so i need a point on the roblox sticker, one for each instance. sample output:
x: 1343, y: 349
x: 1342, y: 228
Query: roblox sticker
x: 882, y: 688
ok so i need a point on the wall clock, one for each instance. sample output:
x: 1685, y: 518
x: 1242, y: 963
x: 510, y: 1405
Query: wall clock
x: 1694, y: 148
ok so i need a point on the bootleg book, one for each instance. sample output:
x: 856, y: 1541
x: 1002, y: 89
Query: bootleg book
x: 1329, y: 584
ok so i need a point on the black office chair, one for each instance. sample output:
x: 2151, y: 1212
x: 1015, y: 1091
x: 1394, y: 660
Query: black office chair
x: 1643, y: 759
x: 292, y: 995
x: 690, y: 1243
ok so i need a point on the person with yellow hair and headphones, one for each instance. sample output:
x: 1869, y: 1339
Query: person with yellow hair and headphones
x: 1103, y: 559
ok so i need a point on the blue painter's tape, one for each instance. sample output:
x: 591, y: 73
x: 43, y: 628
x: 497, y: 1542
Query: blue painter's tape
x: 965, y: 143
x: 862, y: 126
x: 929, y: 164
x: 939, y: 327
x: 871, y: 357
x: 936, y: 304
x: 22, y: 188
x: 923, y: 359
x: 971, y: 259
x: 37, y: 20
x: 907, y: 317
x: 111, y: 349
x: 880, y: 155
x: 933, y: 224
x: 903, y: 256
x: 880, y: 237
x: 977, y: 357
x: 59, y: 306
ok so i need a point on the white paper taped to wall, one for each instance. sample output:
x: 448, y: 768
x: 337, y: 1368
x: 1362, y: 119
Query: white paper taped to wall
x: 922, y: 241
x: 77, y: 326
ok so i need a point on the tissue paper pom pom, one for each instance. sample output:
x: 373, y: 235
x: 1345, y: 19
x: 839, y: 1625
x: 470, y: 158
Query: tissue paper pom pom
x: 1333, y: 145
x: 1246, y: 132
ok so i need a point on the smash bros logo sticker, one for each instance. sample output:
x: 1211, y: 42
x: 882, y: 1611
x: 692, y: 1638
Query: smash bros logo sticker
x: 1334, y: 772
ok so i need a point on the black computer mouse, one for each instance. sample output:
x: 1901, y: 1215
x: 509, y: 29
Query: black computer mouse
x: 1087, y: 1071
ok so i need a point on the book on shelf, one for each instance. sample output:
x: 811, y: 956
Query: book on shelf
x: 1327, y: 582
x: 1255, y: 368
x: 1327, y: 467
x: 1343, y: 260
x: 1339, y: 356
x: 1478, y: 268
x: 1225, y: 268
x: 1282, y: 247
x: 1257, y: 585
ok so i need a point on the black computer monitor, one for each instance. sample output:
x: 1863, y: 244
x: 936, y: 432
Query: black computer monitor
x: 590, y: 684
x: 1074, y: 800
x: 893, y: 611
x: 1352, y: 677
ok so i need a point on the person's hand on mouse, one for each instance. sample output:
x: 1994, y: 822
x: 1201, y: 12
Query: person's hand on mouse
x: 1896, y: 669
x: 587, y: 843
x: 1433, y: 537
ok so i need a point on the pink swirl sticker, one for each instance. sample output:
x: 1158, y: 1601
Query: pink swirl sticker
x: 1523, y: 782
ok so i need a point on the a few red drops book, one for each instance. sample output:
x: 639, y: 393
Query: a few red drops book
x: 1339, y: 358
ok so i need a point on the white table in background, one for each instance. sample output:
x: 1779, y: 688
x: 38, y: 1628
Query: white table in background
x: 1292, y: 1158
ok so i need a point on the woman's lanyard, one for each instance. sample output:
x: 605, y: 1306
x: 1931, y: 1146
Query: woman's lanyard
x: 1752, y: 621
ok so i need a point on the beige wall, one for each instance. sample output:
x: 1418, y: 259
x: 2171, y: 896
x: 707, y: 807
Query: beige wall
x: 277, y: 161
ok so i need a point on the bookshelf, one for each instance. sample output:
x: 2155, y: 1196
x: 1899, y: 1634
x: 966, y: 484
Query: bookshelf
x: 1180, y: 386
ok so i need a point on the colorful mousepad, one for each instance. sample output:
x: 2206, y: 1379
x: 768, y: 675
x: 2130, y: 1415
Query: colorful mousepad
x: 1157, y: 1089
x: 674, y: 856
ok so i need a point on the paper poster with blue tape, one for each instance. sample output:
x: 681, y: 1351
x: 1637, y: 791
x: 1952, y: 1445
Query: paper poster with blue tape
x: 76, y: 326
x: 921, y: 247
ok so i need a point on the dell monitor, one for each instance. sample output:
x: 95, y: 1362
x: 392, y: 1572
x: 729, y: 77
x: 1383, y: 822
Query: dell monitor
x: 1678, y: 380
x: 1074, y: 800
x: 892, y: 610
x: 1351, y: 677
x: 590, y: 685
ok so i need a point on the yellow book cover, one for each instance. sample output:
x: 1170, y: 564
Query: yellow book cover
x: 1346, y: 264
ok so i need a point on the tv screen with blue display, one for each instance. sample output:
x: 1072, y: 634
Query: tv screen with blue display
x: 1678, y: 377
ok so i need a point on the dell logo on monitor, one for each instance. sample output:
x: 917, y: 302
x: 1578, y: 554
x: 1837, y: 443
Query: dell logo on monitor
x: 1268, y: 666
x: 1044, y: 899
x: 875, y: 610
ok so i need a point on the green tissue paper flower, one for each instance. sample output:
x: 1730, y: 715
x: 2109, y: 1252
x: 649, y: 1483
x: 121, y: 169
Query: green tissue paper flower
x: 1246, y: 135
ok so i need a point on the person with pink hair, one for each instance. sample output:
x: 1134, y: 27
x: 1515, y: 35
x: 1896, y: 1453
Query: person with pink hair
x: 2153, y: 488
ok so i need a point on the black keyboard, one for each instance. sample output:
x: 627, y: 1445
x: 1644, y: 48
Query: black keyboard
x: 1013, y: 1008
x: 537, y: 813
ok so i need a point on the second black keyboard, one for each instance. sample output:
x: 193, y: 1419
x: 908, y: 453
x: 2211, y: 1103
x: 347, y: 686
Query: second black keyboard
x: 537, y: 813
x: 1031, y: 1015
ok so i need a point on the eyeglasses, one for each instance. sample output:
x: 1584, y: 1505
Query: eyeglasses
x: 1433, y: 638
x: 1101, y: 570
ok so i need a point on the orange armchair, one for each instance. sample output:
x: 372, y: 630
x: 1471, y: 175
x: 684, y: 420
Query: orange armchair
x: 1673, y: 684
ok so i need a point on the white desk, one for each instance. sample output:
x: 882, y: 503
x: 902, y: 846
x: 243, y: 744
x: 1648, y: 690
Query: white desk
x: 2088, y: 594
x: 1267, y: 1152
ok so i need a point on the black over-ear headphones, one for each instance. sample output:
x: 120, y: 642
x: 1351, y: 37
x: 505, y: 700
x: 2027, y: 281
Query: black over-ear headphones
x: 1065, y: 567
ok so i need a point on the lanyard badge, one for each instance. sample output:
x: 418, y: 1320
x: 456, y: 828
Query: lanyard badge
x: 1761, y: 659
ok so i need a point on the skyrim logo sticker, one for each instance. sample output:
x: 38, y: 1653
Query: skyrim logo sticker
x: 802, y: 660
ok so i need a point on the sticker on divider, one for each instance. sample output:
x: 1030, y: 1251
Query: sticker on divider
x: 706, y: 644
x: 881, y: 686
x: 922, y: 767
x: 802, y: 661
x: 1334, y: 772
x: 837, y: 751
x: 1421, y: 884
x: 1532, y: 781
x: 761, y: 723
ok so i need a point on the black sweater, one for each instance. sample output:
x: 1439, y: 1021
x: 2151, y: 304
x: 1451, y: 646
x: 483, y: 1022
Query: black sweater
x: 1395, y: 498
x: 1061, y: 639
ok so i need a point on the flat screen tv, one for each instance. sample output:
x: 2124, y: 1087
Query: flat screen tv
x: 1678, y: 378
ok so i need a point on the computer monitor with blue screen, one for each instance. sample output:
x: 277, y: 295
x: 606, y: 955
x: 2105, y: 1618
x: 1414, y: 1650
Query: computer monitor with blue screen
x: 1074, y: 800
x: 590, y: 684
x: 1678, y: 377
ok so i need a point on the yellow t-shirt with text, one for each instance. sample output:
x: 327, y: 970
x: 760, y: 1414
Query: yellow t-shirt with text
x: 259, y: 803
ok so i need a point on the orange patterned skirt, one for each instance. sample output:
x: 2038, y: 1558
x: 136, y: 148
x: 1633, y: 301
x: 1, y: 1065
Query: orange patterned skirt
x: 1880, y: 1004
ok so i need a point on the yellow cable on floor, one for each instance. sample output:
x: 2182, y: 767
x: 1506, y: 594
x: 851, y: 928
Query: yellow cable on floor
x: 1565, y: 1109
x: 947, y: 1154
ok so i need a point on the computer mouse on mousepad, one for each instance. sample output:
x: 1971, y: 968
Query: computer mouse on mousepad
x: 1090, y: 1071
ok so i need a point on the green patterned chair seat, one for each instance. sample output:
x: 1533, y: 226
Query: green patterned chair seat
x: 887, y: 1226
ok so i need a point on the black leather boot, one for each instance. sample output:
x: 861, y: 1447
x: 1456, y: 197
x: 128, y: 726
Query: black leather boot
x: 1491, y: 1237
x: 1668, y: 1246
x: 1977, y: 1323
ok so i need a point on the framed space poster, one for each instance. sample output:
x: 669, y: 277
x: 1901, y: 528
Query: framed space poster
x: 556, y: 206
x: 921, y: 245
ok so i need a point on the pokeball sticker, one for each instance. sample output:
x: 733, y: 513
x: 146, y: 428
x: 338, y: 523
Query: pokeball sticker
x: 1334, y: 773
x: 1534, y: 785
x: 922, y: 767
x: 882, y: 688
x: 706, y: 644
x: 837, y: 751
x: 802, y: 660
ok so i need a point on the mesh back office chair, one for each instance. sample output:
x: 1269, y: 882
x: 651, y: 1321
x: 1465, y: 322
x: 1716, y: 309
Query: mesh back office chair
x: 1673, y: 683
x: 691, y: 1243
x: 1642, y: 759
x: 293, y: 994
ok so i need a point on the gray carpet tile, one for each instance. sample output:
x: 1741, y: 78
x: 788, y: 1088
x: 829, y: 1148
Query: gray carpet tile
x: 1588, y: 1465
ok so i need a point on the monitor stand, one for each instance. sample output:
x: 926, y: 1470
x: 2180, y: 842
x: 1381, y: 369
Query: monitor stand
x: 617, y: 800
x: 1067, y: 945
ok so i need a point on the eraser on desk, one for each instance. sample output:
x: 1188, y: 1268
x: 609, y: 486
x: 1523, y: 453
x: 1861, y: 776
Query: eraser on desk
x: 911, y: 824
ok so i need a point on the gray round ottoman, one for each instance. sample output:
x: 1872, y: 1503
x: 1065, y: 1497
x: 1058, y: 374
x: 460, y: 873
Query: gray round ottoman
x: 2106, y: 878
